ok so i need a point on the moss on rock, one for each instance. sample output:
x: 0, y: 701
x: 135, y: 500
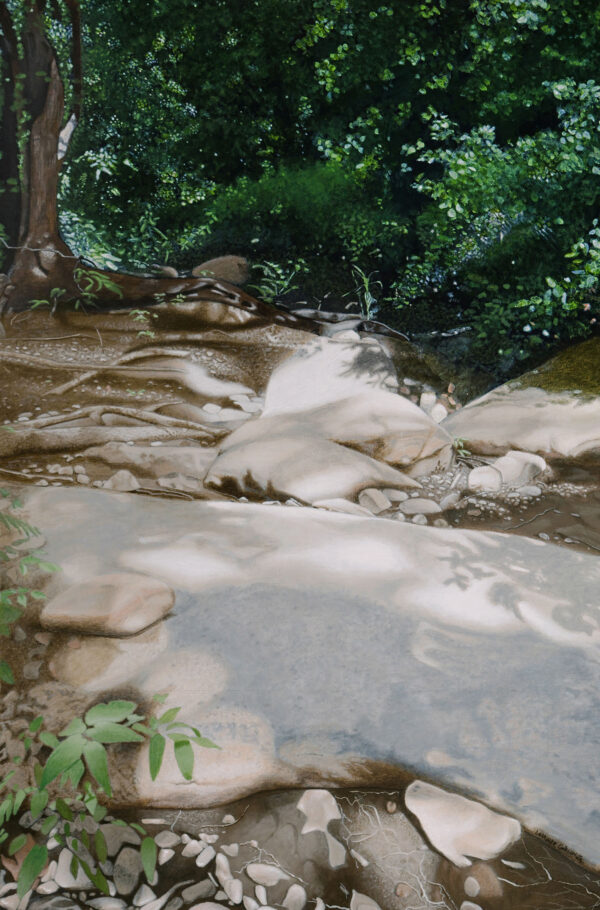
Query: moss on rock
x: 577, y: 369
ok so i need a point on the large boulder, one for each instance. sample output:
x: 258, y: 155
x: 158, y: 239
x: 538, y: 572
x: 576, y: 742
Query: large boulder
x: 301, y: 465
x: 327, y: 370
x: 553, y: 411
x: 329, y: 392
x: 318, y: 648
x: 234, y: 269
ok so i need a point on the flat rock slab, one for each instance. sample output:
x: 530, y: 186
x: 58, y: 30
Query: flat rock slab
x: 121, y: 604
x: 319, y: 648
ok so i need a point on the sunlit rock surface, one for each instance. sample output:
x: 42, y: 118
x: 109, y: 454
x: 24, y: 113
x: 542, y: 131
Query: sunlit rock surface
x: 319, y: 648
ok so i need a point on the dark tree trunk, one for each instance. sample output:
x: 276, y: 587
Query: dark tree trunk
x: 38, y: 261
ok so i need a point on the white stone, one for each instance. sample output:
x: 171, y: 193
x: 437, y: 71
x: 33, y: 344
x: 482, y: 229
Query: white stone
x: 143, y: 895
x: 427, y: 401
x: 265, y: 874
x: 518, y: 468
x: 374, y: 500
x: 205, y: 857
x: 459, y: 828
x: 486, y: 478
x: 123, y: 481
x: 167, y: 838
x: 234, y: 890
x: 211, y: 408
x: 438, y: 412
x: 419, y: 506
x: 165, y: 855
x: 472, y: 886
x: 296, y: 898
x: 395, y: 495
x: 64, y: 877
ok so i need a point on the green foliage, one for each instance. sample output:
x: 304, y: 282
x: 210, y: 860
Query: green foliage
x: 276, y: 280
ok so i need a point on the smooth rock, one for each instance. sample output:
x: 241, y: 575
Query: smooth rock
x: 296, y: 898
x: 485, y: 478
x: 323, y: 371
x: 121, y: 604
x: 419, y: 506
x: 438, y: 412
x: 234, y: 269
x: 127, y: 871
x: 64, y: 877
x: 206, y: 855
x: 306, y: 469
x: 191, y: 461
x: 180, y: 482
x: 123, y: 481
x: 395, y: 495
x: 497, y: 636
x: 460, y: 828
x: 518, y: 468
x: 143, y: 895
x: 519, y: 415
x: 374, y: 500
x: 202, y: 889
x: 342, y: 505
x: 265, y: 874
x: 167, y: 839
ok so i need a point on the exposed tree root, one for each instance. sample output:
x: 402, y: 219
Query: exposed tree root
x: 28, y: 442
x: 138, y: 354
x: 97, y: 412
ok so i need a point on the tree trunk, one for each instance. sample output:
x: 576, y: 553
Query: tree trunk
x: 40, y: 265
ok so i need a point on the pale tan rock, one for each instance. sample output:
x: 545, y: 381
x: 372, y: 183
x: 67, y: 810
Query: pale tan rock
x: 486, y: 478
x: 123, y: 481
x: 460, y: 828
x: 374, y: 500
x: 121, y: 604
x: 419, y: 506
x: 234, y: 269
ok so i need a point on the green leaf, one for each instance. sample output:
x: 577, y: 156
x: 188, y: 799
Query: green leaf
x: 148, y: 854
x: 169, y: 716
x: 95, y: 758
x: 184, y: 755
x: 76, y: 726
x: 49, y: 739
x: 155, y: 754
x: 114, y: 733
x: 113, y: 712
x: 49, y: 823
x: 39, y: 801
x: 64, y: 810
x: 101, y: 847
x: 33, y: 865
x: 6, y: 674
x: 35, y: 724
x: 62, y: 758
x: 16, y: 844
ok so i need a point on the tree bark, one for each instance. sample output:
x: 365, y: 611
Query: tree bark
x: 39, y: 261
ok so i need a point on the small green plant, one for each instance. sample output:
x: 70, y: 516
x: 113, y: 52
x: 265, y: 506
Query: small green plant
x: 367, y: 291
x: 145, y: 317
x: 277, y: 280
x: 460, y: 447
x: 72, y: 780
